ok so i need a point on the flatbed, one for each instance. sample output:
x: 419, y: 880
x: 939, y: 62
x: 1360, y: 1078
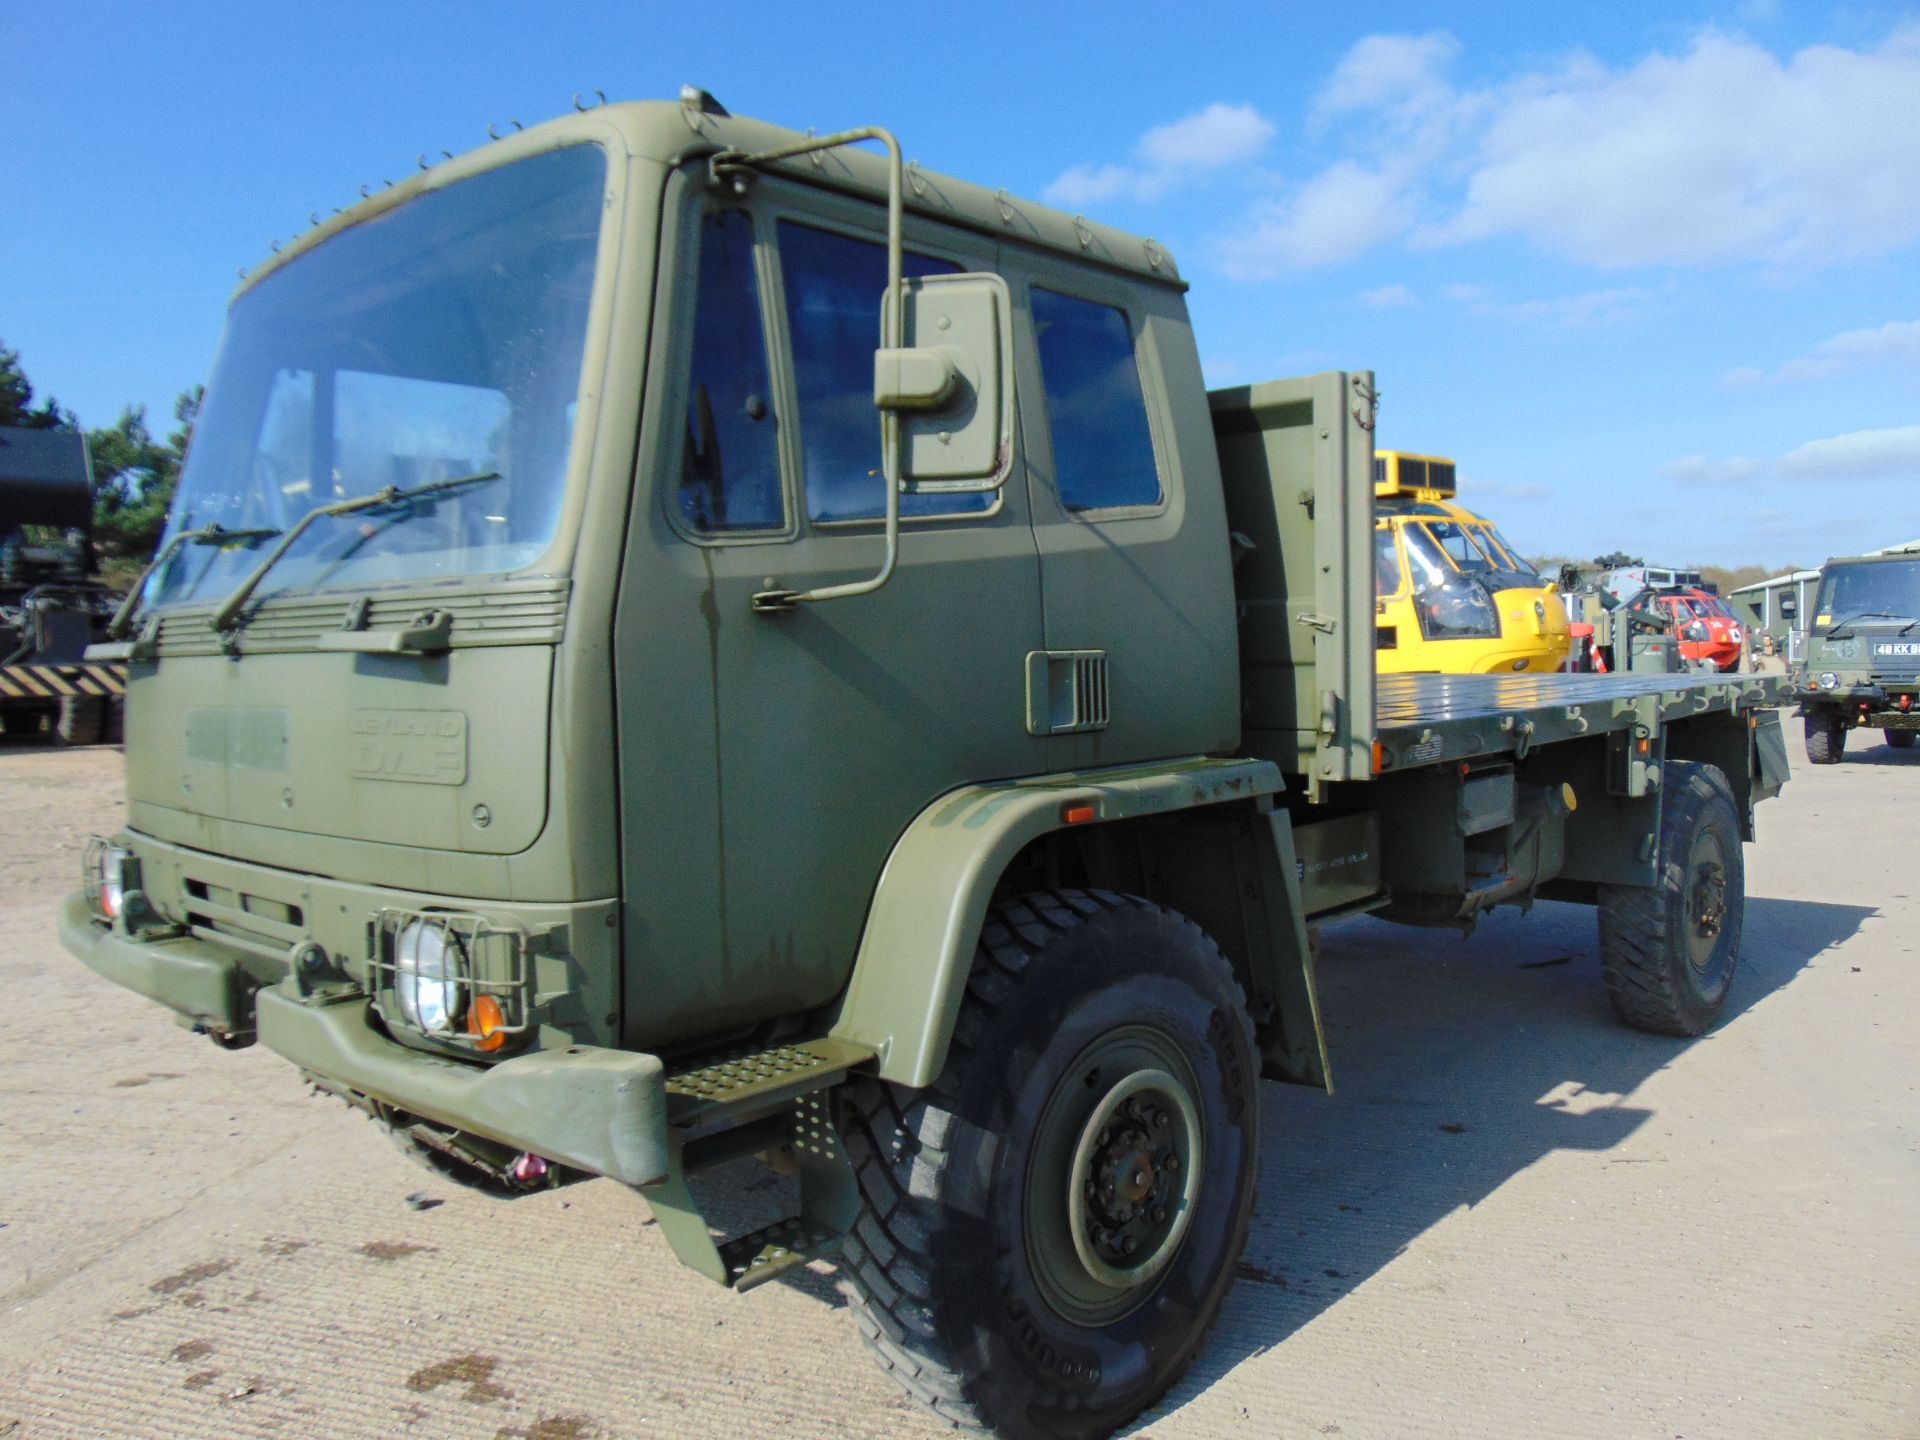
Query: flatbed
x: 1425, y: 719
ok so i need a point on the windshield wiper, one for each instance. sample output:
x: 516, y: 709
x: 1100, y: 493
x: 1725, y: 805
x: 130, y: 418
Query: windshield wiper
x: 215, y: 534
x: 1833, y: 631
x: 230, y: 608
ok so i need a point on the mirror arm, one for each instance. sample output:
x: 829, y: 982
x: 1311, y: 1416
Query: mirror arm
x: 893, y: 325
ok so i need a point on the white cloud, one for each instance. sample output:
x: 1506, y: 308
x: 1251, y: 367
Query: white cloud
x: 1336, y: 215
x: 1592, y: 307
x: 1888, y: 454
x: 1897, y: 341
x: 1388, y: 72
x: 1722, y: 153
x: 1208, y: 139
x: 1389, y: 297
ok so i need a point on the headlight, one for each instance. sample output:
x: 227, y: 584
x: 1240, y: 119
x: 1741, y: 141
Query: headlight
x: 1829, y: 680
x: 110, y: 871
x: 429, y: 976
x: 113, y: 881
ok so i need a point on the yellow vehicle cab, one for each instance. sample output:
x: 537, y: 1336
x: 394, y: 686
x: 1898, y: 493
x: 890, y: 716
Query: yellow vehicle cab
x: 1451, y: 594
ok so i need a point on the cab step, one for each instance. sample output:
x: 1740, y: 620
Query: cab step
x: 741, y: 1104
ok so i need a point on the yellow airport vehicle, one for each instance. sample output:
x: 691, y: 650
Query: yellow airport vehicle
x: 1451, y: 595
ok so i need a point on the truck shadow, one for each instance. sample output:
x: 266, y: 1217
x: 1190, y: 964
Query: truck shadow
x: 1456, y: 1065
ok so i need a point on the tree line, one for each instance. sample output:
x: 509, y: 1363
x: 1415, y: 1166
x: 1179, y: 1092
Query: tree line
x: 134, y: 472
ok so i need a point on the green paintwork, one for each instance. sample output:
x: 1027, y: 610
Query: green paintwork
x: 932, y: 898
x: 748, y: 795
x: 599, y: 1110
x: 1296, y: 458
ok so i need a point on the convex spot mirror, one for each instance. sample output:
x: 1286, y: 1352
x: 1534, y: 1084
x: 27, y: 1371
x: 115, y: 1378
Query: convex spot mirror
x: 950, y: 383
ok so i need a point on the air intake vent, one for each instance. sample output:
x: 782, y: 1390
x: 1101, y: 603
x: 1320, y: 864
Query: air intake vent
x: 1066, y: 691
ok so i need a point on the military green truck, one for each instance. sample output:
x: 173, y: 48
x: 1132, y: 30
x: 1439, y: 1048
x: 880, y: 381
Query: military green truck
x: 682, y: 641
x: 1861, y: 669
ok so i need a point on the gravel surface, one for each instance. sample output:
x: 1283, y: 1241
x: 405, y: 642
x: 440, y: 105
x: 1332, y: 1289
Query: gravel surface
x: 1515, y: 1218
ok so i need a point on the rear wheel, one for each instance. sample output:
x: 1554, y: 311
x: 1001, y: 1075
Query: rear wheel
x: 82, y: 720
x: 1670, y: 949
x: 1826, y: 739
x: 1899, y: 739
x: 1048, y: 1231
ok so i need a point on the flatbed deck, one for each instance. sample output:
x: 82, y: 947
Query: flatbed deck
x: 1426, y: 719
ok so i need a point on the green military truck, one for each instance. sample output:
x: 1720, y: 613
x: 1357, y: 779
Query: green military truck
x: 683, y: 641
x: 1861, y: 669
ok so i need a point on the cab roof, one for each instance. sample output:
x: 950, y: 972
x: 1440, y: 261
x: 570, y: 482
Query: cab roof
x: 669, y: 133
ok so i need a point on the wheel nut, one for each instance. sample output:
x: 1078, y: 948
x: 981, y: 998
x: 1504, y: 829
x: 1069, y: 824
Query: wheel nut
x: 1093, y: 1191
x: 1104, y: 1137
x: 1159, y: 1119
x: 1127, y: 1243
x: 1159, y: 1214
x: 1170, y: 1164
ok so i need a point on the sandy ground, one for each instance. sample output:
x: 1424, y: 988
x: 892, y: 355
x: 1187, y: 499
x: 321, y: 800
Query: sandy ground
x: 1514, y: 1219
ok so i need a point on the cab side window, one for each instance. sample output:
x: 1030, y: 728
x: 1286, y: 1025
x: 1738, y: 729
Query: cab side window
x: 1387, y: 575
x: 1096, y: 412
x: 833, y: 286
x: 730, y: 471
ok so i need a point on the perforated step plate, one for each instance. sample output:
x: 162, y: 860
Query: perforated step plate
x: 758, y: 1080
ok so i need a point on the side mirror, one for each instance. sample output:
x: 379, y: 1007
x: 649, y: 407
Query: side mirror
x: 950, y: 384
x: 1789, y: 607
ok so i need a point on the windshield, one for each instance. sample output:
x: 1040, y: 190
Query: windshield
x: 439, y: 340
x: 1516, y: 561
x: 1889, y: 586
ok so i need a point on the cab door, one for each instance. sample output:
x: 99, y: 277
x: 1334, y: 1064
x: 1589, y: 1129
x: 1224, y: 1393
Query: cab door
x: 770, y: 760
x: 1128, y: 516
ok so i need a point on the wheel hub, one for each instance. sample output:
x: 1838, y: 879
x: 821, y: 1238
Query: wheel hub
x: 1115, y: 1176
x: 1708, y: 902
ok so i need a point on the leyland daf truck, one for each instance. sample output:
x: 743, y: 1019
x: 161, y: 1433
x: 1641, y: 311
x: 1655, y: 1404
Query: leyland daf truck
x: 682, y: 641
x: 1862, y: 665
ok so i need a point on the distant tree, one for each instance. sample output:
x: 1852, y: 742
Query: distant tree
x: 134, y: 476
x: 16, y: 399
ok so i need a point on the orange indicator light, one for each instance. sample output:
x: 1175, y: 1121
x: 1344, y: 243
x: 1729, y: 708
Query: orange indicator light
x: 1079, y: 814
x: 487, y: 1020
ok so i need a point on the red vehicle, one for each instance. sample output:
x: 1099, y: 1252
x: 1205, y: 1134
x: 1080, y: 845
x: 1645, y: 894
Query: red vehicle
x: 1707, y: 627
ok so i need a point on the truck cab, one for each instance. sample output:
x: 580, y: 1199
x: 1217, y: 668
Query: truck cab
x: 1451, y: 594
x: 1862, y: 663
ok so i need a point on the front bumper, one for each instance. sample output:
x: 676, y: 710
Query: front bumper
x: 599, y: 1110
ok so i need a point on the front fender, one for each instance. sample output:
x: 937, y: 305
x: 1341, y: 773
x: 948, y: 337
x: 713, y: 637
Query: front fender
x: 932, y: 898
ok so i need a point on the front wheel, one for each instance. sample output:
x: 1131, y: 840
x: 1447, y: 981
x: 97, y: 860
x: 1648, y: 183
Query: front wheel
x: 1669, y: 949
x: 1826, y: 739
x: 1899, y: 739
x: 1049, y: 1231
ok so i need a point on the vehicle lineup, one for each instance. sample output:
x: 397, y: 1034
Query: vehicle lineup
x: 682, y: 640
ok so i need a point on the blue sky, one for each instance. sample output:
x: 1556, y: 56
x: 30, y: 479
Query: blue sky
x: 1647, y: 271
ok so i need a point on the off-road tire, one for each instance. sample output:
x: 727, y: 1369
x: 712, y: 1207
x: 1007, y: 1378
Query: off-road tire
x: 82, y: 720
x: 115, y: 730
x: 947, y: 1269
x: 1826, y: 740
x: 1669, y: 950
x: 1900, y: 739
